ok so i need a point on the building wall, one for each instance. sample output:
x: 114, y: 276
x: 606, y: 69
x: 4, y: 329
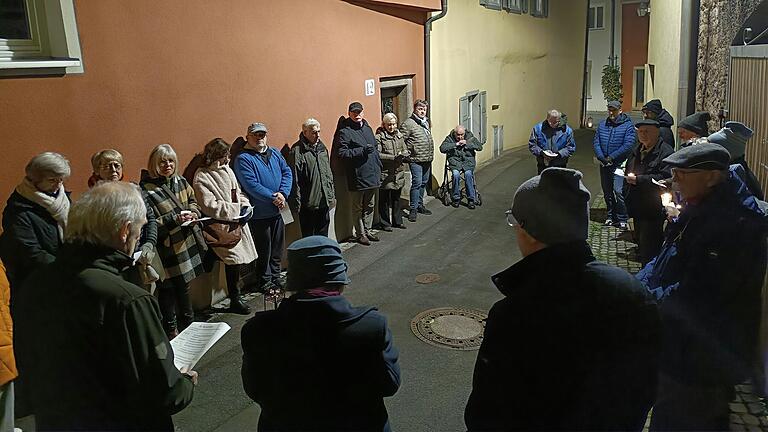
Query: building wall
x: 526, y: 65
x: 634, y: 50
x: 664, y: 53
x: 600, y: 50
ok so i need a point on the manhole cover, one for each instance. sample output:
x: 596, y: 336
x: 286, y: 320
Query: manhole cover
x: 427, y: 278
x: 455, y: 328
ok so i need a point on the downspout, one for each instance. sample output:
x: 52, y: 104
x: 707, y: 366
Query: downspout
x: 584, y: 70
x: 427, y: 31
x: 612, y: 59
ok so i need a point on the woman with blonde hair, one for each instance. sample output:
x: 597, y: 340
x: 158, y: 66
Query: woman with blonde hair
x: 393, y: 153
x: 179, y: 239
x: 219, y: 196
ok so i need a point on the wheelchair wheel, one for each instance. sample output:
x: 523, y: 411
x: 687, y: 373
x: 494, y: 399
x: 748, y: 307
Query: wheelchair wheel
x: 479, y: 198
x: 446, y: 198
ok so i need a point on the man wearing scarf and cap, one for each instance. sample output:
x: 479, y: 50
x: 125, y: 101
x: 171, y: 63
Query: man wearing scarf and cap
x: 708, y: 279
x: 654, y: 111
x: 693, y: 127
x: 573, y: 344
x: 734, y: 137
x: 318, y: 363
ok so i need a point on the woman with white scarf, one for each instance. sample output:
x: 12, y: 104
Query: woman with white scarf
x: 35, y: 217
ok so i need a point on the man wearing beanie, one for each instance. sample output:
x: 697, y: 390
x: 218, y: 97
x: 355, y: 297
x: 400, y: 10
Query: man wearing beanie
x: 734, y: 137
x: 693, y: 127
x: 708, y: 279
x: 573, y: 344
x: 318, y: 363
x: 654, y: 111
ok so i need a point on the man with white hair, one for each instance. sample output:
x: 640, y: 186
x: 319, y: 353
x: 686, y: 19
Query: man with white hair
x: 90, y: 343
x: 313, y: 194
x: 552, y: 141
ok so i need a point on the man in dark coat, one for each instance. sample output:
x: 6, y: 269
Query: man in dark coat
x: 360, y: 155
x: 654, y: 111
x: 643, y: 196
x: 91, y: 343
x: 318, y: 363
x: 708, y: 278
x: 573, y: 345
x: 460, y: 147
x: 614, y: 141
x: 734, y: 137
x: 313, y: 194
x: 693, y: 127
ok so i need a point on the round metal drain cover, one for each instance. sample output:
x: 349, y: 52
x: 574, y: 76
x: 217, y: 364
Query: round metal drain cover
x: 427, y: 278
x: 455, y: 328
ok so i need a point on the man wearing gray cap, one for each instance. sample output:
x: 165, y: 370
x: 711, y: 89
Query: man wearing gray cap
x: 708, y: 279
x: 734, y: 137
x: 572, y: 333
x: 318, y: 363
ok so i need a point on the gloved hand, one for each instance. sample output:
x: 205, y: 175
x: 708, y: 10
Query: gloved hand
x: 369, y: 149
x: 147, y: 254
x: 246, y: 213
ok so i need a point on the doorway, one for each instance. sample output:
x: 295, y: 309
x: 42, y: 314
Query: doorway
x: 397, y: 96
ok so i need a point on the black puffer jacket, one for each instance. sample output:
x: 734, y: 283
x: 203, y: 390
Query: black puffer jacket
x: 665, y: 127
x: 356, y: 147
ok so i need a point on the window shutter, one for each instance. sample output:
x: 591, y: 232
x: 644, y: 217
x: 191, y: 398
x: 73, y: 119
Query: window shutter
x: 524, y: 6
x: 483, y: 117
x: 464, y: 112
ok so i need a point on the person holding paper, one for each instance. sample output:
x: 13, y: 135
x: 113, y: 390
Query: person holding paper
x: 642, y: 195
x: 220, y: 197
x: 317, y: 363
x: 90, y: 342
x: 552, y: 142
x: 266, y: 179
x: 179, y: 240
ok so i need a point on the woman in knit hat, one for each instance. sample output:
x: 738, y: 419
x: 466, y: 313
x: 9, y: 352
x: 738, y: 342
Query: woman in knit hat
x: 328, y: 364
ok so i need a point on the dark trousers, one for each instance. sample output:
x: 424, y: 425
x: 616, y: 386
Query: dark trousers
x: 268, y: 236
x: 649, y: 233
x: 389, y: 201
x: 556, y: 162
x: 173, y: 297
x: 681, y: 407
x: 613, y: 187
x: 314, y: 221
x: 232, y: 272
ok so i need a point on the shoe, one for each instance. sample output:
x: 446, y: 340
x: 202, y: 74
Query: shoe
x: 412, y: 215
x: 279, y: 282
x: 622, y: 226
x: 455, y: 203
x: 373, y: 237
x: 268, y: 287
x: 608, y: 222
x: 471, y: 205
x: 386, y: 228
x: 399, y: 226
x: 237, y: 306
x: 363, y: 240
x: 423, y: 210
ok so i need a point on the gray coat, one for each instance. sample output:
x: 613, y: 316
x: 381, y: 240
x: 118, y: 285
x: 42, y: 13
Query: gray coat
x: 461, y: 158
x: 393, y: 173
x: 418, y: 140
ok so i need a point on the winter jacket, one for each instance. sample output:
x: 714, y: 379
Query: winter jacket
x: 665, y: 127
x: 749, y: 178
x: 29, y: 240
x: 312, y: 176
x: 357, y: 149
x: 572, y: 334
x: 181, y: 248
x: 7, y: 360
x: 708, y: 278
x: 418, y: 140
x: 260, y: 180
x: 390, y: 146
x: 644, y: 198
x: 214, y: 190
x: 461, y: 158
x: 92, y: 347
x: 615, y: 139
x: 559, y: 140
x: 330, y: 365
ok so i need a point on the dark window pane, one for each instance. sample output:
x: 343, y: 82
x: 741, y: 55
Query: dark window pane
x: 387, y: 105
x: 599, y: 17
x: 639, y: 86
x: 13, y: 20
x: 591, y: 18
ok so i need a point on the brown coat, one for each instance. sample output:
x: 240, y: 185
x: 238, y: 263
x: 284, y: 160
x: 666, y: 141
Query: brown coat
x: 7, y: 361
x: 393, y: 171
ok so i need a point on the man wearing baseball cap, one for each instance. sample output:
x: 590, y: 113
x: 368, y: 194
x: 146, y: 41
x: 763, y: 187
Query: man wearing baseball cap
x: 708, y: 279
x: 573, y: 344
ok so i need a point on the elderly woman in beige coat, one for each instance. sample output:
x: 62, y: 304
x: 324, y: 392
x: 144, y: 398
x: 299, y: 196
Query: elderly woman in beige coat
x: 220, y: 197
x: 393, y: 153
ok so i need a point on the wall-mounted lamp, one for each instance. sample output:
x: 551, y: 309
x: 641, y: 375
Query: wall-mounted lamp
x: 590, y: 122
x: 643, y: 9
x: 746, y: 35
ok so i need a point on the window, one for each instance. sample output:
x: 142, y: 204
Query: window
x: 38, y: 37
x: 540, y: 8
x: 472, y: 114
x: 595, y: 18
x: 515, y: 6
x: 638, y: 86
x: 492, y: 4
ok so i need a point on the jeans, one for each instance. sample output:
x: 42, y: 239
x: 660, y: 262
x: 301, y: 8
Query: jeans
x: 174, y: 300
x: 315, y: 221
x: 469, y: 179
x: 421, y: 172
x: 268, y: 237
x: 613, y: 186
x: 362, y: 208
x: 389, y: 202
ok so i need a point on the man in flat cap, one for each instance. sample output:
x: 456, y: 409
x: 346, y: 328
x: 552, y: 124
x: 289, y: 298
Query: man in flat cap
x: 734, y: 137
x: 644, y: 166
x: 318, y: 363
x: 614, y: 141
x: 693, y: 127
x: 708, y: 278
x: 571, y: 333
x: 653, y: 110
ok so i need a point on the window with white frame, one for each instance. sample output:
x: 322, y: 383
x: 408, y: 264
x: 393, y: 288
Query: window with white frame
x: 596, y: 17
x: 492, y: 4
x: 515, y: 6
x: 38, y: 36
x: 540, y: 8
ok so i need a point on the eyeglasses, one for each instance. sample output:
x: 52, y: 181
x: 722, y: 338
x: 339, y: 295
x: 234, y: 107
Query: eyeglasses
x: 258, y: 134
x: 511, y: 220
x: 166, y: 162
x: 686, y: 171
x: 112, y: 165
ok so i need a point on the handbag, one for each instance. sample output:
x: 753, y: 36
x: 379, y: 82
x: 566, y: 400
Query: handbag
x: 223, y: 234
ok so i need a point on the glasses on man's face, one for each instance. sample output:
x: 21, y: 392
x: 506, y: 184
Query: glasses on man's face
x: 117, y: 166
x: 682, y: 172
x: 259, y: 134
x: 511, y: 220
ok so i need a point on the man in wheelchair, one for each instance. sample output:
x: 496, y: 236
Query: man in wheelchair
x: 460, y: 147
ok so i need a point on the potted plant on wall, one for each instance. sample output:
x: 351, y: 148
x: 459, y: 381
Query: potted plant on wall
x: 611, y: 83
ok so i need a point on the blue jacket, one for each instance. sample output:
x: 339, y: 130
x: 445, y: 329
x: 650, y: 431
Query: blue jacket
x: 260, y: 180
x: 708, y: 278
x: 562, y: 141
x: 615, y: 139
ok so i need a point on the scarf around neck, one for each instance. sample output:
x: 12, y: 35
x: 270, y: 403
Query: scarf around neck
x: 57, y: 206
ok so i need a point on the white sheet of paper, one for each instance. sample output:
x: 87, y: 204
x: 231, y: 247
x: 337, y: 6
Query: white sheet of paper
x: 550, y: 153
x: 188, y: 223
x: 659, y: 184
x: 619, y: 172
x: 191, y: 344
x: 286, y: 214
x: 136, y: 256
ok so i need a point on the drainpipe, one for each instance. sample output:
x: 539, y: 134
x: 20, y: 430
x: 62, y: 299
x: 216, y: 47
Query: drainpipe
x: 427, y: 30
x: 584, y: 70
x: 612, y: 59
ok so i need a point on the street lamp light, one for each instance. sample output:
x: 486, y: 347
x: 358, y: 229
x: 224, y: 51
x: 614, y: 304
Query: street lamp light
x: 643, y: 9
